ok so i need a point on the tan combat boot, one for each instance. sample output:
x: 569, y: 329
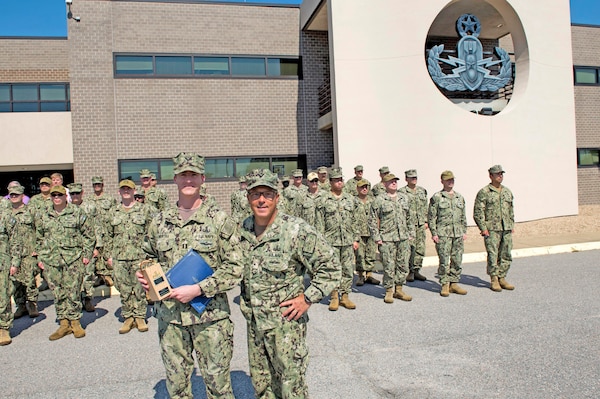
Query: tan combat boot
x: 63, y: 330
x: 78, y: 331
x: 495, y: 286
x: 141, y: 324
x: 32, y: 309
x: 445, y: 289
x: 4, y: 337
x: 88, y: 305
x: 371, y: 280
x: 21, y: 311
x: 403, y: 296
x: 360, y: 281
x: 505, y: 285
x: 389, y: 295
x: 346, y: 302
x: 334, y: 303
x: 128, y: 324
x: 457, y: 289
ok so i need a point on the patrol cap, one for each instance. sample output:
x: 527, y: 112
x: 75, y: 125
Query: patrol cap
x: 322, y: 169
x: 139, y: 192
x: 58, y: 189
x: 384, y: 169
x: 262, y: 177
x: 127, y: 183
x: 188, y: 162
x: 358, y: 168
x: 496, y: 169
x: 410, y: 173
x: 145, y: 173
x: 336, y: 173
x: 283, y: 178
x: 46, y: 180
x: 297, y: 173
x: 153, y: 176
x: 242, y: 179
x: 75, y: 188
x: 447, y: 175
x: 16, y: 190
x: 389, y: 177
x: 97, y: 180
x: 363, y: 182
x: 312, y: 176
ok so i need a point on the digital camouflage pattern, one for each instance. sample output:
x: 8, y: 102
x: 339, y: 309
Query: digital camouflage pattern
x: 494, y: 211
x: 448, y: 220
x: 307, y: 207
x: 418, y: 210
x: 294, y: 196
x: 104, y: 203
x: 10, y: 250
x: 366, y: 254
x: 157, y: 197
x: 378, y: 189
x: 240, y: 208
x: 25, y: 285
x: 39, y: 203
x: 62, y: 241
x: 274, y: 270
x: 95, y: 219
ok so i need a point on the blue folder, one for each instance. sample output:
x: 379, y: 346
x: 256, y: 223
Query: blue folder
x: 191, y: 269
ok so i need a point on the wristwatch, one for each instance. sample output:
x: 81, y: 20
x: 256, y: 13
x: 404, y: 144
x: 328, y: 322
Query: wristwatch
x: 307, y: 300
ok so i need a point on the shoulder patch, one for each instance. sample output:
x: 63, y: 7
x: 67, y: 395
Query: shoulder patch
x: 310, y: 243
x: 228, y: 228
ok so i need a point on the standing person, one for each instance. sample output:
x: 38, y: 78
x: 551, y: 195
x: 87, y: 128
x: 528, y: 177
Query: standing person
x: 335, y: 220
x: 294, y: 192
x: 155, y: 196
x: 350, y: 185
x: 58, y: 180
x: 15, y: 183
x: 280, y: 249
x: 10, y: 259
x: 65, y: 245
x: 104, y: 202
x: 25, y: 289
x: 366, y: 253
x: 418, y: 209
x: 448, y: 224
x: 240, y: 209
x: 140, y: 195
x: 324, y: 183
x: 128, y: 223
x: 43, y: 199
x: 379, y: 188
x: 307, y: 207
x: 495, y: 216
x: 196, y: 225
x: 392, y: 228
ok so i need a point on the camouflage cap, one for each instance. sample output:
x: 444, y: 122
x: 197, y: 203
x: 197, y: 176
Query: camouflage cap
x: 363, y: 182
x: 153, y: 176
x: 145, y: 173
x: 188, y: 162
x: 283, y: 178
x: 322, y: 169
x: 58, y: 189
x: 389, y: 177
x: 16, y: 190
x: 97, y: 180
x: 139, y: 191
x: 46, y: 180
x: 410, y: 173
x: 496, y: 169
x: 297, y: 173
x: 262, y: 177
x: 75, y: 188
x: 127, y: 183
x: 358, y: 168
x: 242, y: 179
x: 384, y: 169
x: 447, y: 175
x: 312, y: 176
x: 336, y: 173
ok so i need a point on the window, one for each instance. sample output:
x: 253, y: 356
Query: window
x: 586, y: 75
x: 34, y: 97
x: 202, y: 66
x: 588, y: 157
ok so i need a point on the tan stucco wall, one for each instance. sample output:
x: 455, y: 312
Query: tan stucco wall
x: 388, y: 111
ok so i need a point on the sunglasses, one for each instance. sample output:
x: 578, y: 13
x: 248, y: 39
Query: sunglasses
x: 13, y: 195
x: 56, y: 195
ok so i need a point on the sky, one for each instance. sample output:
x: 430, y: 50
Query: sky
x: 48, y: 17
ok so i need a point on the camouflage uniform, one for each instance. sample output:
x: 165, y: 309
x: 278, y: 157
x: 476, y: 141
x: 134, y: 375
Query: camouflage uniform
x: 63, y: 240
x: 240, y: 209
x: 494, y: 211
x: 294, y: 196
x: 378, y: 189
x: 307, y: 207
x: 124, y: 245
x: 275, y: 265
x: 157, y: 198
x: 448, y: 221
x: 418, y: 210
x: 366, y: 254
x: 10, y: 250
x: 391, y: 223
x: 103, y: 204
x: 94, y: 218
x: 25, y: 283
x: 39, y: 203
x: 215, y: 236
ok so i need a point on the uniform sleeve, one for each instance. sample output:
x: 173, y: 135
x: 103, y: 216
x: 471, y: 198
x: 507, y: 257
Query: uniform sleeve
x: 321, y: 263
x: 374, y: 221
x: 479, y: 210
x: 89, y: 235
x: 15, y: 243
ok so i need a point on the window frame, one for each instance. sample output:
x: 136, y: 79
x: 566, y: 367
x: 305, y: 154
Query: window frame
x: 582, y: 67
x: 594, y: 149
x: 38, y: 102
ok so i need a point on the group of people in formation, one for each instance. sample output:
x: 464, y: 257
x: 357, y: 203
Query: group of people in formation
x: 359, y: 221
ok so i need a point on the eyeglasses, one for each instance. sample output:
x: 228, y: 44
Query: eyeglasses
x: 13, y: 195
x: 314, y: 181
x: 56, y: 195
x: 255, y: 195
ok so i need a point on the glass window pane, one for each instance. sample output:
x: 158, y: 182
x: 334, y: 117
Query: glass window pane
x: 244, y: 166
x: 132, y: 168
x: 248, y: 66
x: 4, y: 92
x: 166, y: 170
x: 589, y: 157
x: 25, y: 107
x: 282, y: 67
x: 54, y: 106
x: 4, y: 107
x: 284, y: 166
x: 173, y: 65
x: 133, y: 65
x: 216, y: 168
x: 211, y: 65
x: 50, y: 92
x: 586, y: 75
x: 25, y: 93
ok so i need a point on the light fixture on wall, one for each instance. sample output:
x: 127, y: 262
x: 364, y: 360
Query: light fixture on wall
x: 69, y: 13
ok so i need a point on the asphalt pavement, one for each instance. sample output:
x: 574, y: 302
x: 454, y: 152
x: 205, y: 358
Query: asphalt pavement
x: 540, y: 341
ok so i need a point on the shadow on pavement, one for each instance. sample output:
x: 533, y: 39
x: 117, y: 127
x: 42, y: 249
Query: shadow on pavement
x: 473, y: 281
x: 240, y: 382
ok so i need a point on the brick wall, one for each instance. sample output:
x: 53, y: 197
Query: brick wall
x: 34, y: 60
